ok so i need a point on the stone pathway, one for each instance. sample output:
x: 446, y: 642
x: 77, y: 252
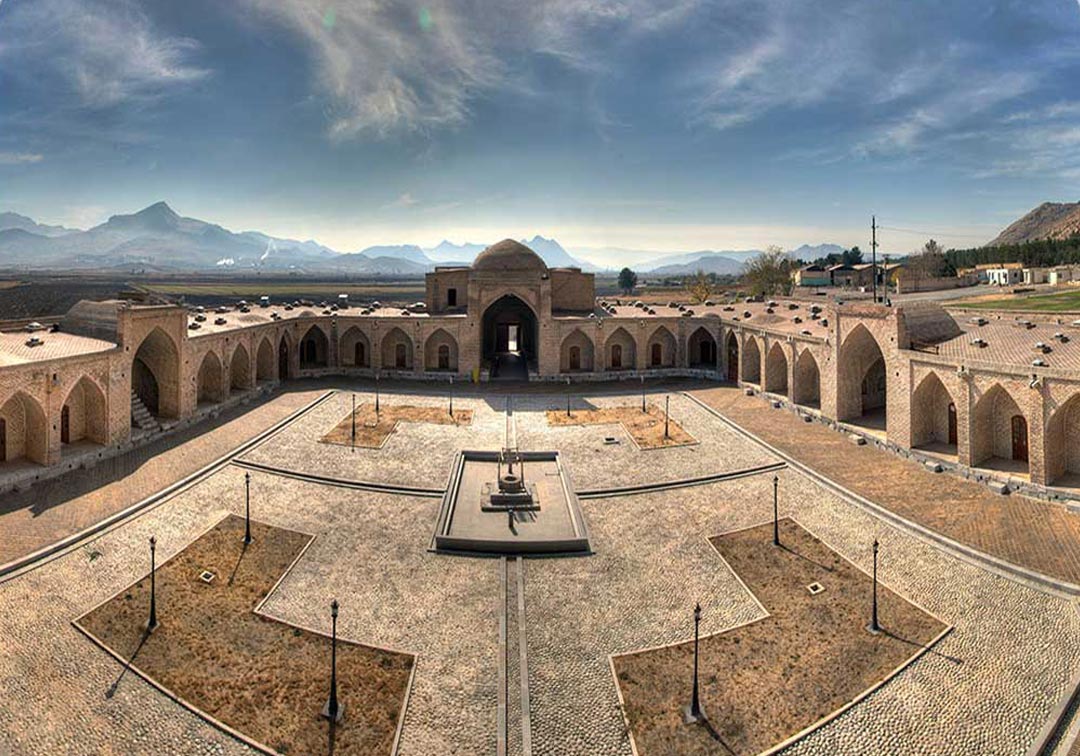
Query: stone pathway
x: 56, y: 509
x: 1037, y: 535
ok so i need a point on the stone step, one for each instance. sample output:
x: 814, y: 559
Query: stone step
x: 141, y: 416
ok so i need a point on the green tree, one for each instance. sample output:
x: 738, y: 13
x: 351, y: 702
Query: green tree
x: 852, y: 256
x: 769, y: 273
x: 627, y: 280
x: 700, y: 287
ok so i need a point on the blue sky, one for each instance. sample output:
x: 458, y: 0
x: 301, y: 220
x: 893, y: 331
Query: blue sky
x: 669, y: 125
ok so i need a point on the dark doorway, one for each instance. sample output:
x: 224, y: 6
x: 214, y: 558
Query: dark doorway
x: 616, y: 356
x: 510, y: 337
x: 3, y: 440
x: 145, y: 385
x: 283, y: 359
x: 451, y: 297
x: 657, y: 355
x: 359, y: 358
x: 314, y: 349
x: 444, y: 357
x: 401, y: 356
x: 1019, y: 438
x: 952, y: 423
x: 707, y: 352
x: 65, y: 425
x: 575, y: 358
x: 733, y: 359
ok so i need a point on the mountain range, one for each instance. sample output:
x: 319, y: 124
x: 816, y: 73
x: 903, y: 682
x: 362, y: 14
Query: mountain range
x: 157, y: 239
x: 1050, y: 220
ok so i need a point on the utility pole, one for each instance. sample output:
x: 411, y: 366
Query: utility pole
x: 873, y: 253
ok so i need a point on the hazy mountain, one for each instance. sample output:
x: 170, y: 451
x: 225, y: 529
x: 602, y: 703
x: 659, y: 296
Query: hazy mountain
x: 1050, y: 220
x: 709, y: 262
x: 553, y: 254
x: 10, y: 220
x: 448, y: 252
x: 409, y: 252
x: 810, y: 252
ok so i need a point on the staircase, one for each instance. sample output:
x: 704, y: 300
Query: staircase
x: 140, y: 415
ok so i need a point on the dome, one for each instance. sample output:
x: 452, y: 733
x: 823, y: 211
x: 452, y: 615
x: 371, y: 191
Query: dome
x: 509, y: 255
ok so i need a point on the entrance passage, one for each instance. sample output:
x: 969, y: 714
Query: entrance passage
x: 510, y: 338
x: 1019, y: 438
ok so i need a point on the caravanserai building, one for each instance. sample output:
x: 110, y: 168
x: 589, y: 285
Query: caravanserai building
x: 994, y: 393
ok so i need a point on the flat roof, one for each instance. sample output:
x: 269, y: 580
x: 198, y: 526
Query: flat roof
x: 14, y: 351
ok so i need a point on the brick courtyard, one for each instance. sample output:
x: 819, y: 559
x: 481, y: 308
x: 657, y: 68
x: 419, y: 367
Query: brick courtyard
x: 481, y: 628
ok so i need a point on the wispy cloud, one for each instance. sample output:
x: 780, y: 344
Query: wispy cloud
x: 107, y: 52
x: 20, y: 158
x: 405, y: 200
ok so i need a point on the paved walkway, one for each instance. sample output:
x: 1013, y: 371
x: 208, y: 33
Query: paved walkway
x: 1027, y: 532
x: 58, y: 508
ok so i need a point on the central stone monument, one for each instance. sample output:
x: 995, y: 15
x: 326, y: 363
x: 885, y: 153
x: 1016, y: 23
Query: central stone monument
x: 492, y: 507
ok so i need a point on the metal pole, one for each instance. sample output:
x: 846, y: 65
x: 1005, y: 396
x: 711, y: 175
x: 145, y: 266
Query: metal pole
x: 874, y: 626
x: 354, y: 421
x: 775, y: 511
x: 568, y: 397
x: 247, y: 508
x: 695, y: 701
x: 152, y: 624
x: 873, y: 253
x: 643, y: 394
x: 451, y: 396
x: 332, y: 705
x: 376, y: 398
x: 667, y: 406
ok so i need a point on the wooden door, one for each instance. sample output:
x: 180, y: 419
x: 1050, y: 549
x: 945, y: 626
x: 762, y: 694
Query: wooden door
x: 575, y: 358
x: 952, y: 423
x: 657, y: 355
x: 1019, y: 438
x: 399, y: 355
x: 65, y: 425
x: 616, y: 355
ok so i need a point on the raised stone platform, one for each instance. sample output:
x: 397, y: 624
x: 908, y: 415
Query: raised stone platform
x: 469, y: 520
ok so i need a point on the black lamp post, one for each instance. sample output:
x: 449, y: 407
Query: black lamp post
x: 152, y: 624
x: 376, y: 397
x: 451, y: 396
x: 643, y: 394
x: 667, y: 417
x: 693, y: 711
x: 775, y: 511
x: 874, y: 626
x: 247, y: 508
x: 333, y: 710
x: 354, y: 421
x: 568, y: 397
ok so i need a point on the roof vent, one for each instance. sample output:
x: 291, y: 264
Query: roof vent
x: 978, y: 321
x: 1041, y: 347
x: 34, y: 341
x: 1038, y: 363
x: 35, y: 326
x: 220, y: 321
x: 981, y: 343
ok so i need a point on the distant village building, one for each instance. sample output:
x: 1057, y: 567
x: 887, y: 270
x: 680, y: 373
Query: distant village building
x: 1005, y: 276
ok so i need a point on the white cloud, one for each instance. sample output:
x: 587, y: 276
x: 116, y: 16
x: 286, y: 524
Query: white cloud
x: 108, y: 52
x: 20, y: 158
x: 404, y: 201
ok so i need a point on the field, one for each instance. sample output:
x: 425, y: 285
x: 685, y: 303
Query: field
x: 1065, y: 301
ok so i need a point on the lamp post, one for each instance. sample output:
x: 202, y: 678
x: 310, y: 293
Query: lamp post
x: 451, y: 396
x: 643, y: 394
x: 568, y: 397
x: 152, y: 623
x: 354, y: 421
x: 376, y: 397
x: 667, y: 417
x: 247, y: 508
x: 775, y: 511
x: 874, y: 626
x: 693, y: 711
x: 333, y: 711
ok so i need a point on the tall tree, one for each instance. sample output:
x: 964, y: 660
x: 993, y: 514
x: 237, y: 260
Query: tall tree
x: 699, y: 287
x: 769, y: 273
x: 627, y: 280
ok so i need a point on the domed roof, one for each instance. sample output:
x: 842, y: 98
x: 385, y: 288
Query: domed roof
x: 509, y: 255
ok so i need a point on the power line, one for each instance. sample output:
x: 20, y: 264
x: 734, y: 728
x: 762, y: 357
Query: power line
x: 926, y: 233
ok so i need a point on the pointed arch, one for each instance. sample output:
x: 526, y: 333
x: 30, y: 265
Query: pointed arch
x: 240, y: 369
x: 396, y: 350
x: 807, y: 389
x: 155, y: 374
x: 83, y: 416
x: 751, y: 360
x: 999, y: 431
x: 862, y: 381
x: 576, y: 353
x: 701, y: 349
x: 441, y: 352
x: 776, y: 369
x: 314, y: 348
x: 355, y: 349
x: 264, y: 361
x: 1062, y: 442
x: 209, y: 384
x: 660, y: 349
x: 25, y: 430
x: 284, y: 361
x: 933, y: 415
x: 731, y: 349
x: 619, y: 350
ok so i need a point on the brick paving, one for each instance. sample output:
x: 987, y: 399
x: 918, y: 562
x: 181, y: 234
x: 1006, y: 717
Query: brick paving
x: 53, y: 510
x: 1033, y: 534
